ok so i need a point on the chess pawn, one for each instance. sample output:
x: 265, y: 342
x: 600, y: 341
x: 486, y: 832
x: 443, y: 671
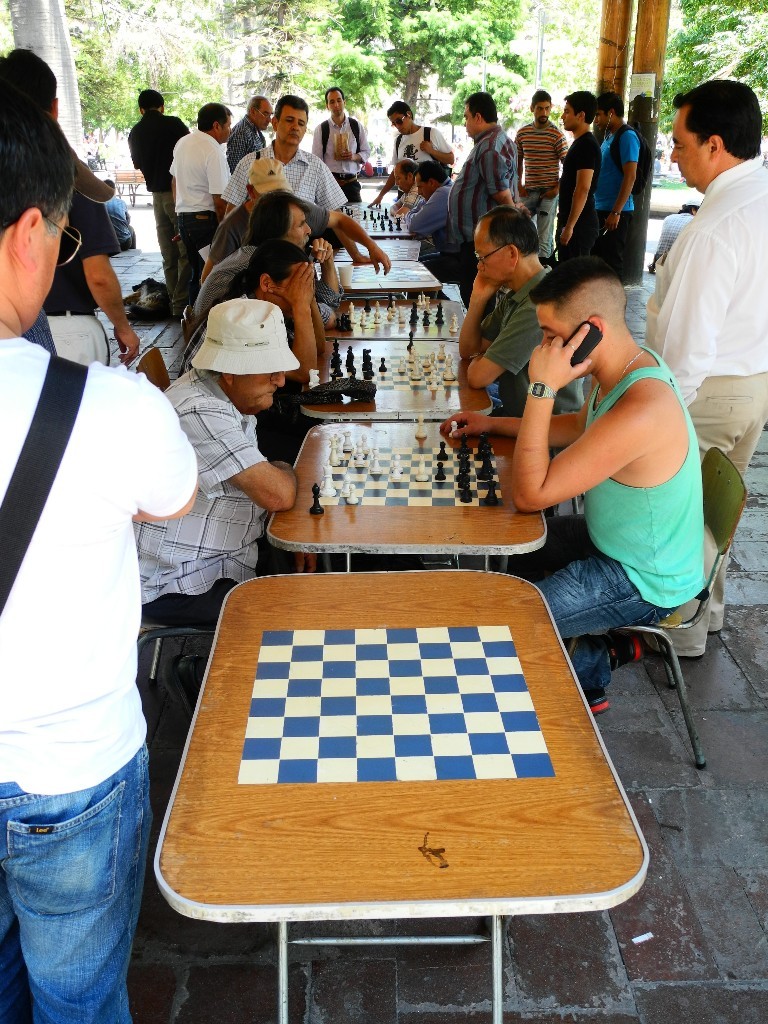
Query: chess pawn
x: 364, y: 448
x: 448, y: 374
x: 397, y: 469
x: 317, y: 509
x: 363, y: 319
x: 421, y: 430
x: 345, y: 485
x: 375, y: 469
x: 327, y: 490
x: 401, y: 316
x: 432, y: 385
x: 421, y: 471
x: 351, y: 310
x: 360, y: 459
x: 352, y: 498
x: 454, y: 328
x: 402, y: 368
x: 441, y: 353
x: 314, y: 378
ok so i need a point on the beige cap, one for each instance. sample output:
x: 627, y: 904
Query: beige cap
x: 267, y: 175
x: 245, y: 336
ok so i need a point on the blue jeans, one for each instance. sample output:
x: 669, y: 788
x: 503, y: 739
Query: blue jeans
x: 586, y: 593
x: 71, y: 875
x: 545, y: 212
x: 197, y: 231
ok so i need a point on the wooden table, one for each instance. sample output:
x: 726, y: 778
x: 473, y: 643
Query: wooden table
x: 418, y: 528
x: 403, y: 249
x: 394, y: 329
x: 563, y: 841
x: 395, y: 398
x: 403, y: 277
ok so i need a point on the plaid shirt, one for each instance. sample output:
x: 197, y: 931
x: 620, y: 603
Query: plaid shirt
x: 217, y: 539
x: 307, y: 175
x: 245, y: 138
x: 490, y: 167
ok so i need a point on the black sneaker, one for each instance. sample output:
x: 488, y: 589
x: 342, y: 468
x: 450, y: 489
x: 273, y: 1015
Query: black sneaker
x: 597, y: 700
x: 623, y: 648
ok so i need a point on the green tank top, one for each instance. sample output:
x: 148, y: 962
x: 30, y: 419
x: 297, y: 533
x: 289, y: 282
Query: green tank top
x: 657, y: 533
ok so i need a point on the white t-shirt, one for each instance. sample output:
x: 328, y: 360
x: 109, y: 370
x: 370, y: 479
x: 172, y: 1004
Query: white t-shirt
x: 201, y: 171
x: 70, y: 712
x: 408, y: 147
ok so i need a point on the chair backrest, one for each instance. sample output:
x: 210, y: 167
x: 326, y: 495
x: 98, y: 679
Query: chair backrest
x: 153, y: 366
x: 188, y: 323
x: 724, y: 497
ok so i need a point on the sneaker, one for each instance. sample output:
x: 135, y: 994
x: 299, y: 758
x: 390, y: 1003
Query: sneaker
x: 623, y: 648
x: 188, y: 671
x: 597, y: 700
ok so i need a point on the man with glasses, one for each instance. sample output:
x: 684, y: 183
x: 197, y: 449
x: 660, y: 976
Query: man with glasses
x: 500, y: 345
x: 248, y: 134
x: 74, y: 792
x: 413, y: 142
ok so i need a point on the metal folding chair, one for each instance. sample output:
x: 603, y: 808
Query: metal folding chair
x: 724, y: 499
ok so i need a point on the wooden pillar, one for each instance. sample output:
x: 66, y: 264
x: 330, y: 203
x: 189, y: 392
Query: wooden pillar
x: 650, y: 50
x: 613, y: 53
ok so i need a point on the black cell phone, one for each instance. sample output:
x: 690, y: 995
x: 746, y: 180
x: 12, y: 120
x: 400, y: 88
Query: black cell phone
x: 594, y: 336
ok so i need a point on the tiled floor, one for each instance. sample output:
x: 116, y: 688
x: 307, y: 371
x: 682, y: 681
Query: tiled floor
x: 705, y: 901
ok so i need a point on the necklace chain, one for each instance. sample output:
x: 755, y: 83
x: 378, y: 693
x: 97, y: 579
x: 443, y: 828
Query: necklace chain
x: 621, y: 375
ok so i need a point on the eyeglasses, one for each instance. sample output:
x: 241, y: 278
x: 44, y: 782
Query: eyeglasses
x: 397, y: 121
x: 482, y: 259
x: 70, y: 242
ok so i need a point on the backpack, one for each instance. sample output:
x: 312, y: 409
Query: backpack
x: 427, y: 133
x: 325, y: 132
x: 644, y: 158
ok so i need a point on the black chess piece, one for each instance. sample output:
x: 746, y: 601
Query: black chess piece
x: 397, y: 223
x: 462, y: 480
x: 336, y: 373
x: 350, y: 358
x: 390, y: 300
x: 440, y: 474
x: 491, y: 497
x: 425, y: 318
x: 336, y: 342
x: 367, y: 306
x: 410, y: 341
x: 485, y: 472
x: 414, y: 314
x: 352, y: 372
x: 443, y: 453
x: 464, y: 446
x: 365, y: 215
x: 439, y: 319
x: 317, y: 509
x: 466, y: 495
x: 391, y: 226
x: 383, y: 367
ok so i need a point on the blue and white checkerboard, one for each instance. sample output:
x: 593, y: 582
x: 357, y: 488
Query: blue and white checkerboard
x: 386, y: 705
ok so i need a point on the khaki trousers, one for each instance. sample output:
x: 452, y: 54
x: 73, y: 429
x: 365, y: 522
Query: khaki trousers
x: 728, y: 413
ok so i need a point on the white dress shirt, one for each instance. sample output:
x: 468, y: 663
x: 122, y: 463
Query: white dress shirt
x: 201, y: 172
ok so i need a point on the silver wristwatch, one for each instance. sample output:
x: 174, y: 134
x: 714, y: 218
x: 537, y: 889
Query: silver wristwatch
x: 539, y: 390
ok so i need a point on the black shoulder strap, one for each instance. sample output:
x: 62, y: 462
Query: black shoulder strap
x: 325, y: 134
x: 355, y: 126
x: 614, y: 149
x: 38, y: 464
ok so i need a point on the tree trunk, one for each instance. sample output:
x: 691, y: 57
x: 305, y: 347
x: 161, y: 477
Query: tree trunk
x: 41, y: 26
x: 413, y: 83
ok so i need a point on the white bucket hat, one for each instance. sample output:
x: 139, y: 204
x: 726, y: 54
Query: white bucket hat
x: 268, y: 175
x: 245, y: 336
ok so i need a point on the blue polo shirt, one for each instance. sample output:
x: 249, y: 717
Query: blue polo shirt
x: 609, y: 182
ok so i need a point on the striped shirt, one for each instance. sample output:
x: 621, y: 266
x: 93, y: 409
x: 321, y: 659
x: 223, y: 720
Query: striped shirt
x: 217, y: 539
x: 308, y: 177
x: 541, y: 152
x: 491, y: 167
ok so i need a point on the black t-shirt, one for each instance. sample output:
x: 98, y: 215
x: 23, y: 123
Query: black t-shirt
x: 70, y: 290
x: 151, y: 143
x: 584, y: 154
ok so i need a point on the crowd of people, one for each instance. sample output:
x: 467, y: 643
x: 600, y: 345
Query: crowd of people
x: 133, y: 499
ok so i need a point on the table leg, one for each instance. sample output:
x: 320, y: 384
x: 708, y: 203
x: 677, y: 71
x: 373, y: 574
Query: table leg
x: 349, y: 561
x: 497, y: 931
x: 282, y: 972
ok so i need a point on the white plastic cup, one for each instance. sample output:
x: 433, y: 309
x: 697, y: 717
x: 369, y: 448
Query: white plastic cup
x: 345, y: 274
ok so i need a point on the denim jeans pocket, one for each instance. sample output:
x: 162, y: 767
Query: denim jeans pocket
x: 61, y: 867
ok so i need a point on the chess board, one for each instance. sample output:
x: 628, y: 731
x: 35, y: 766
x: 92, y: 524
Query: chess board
x: 377, y: 489
x: 403, y: 277
x: 395, y: 248
x: 376, y: 224
x: 395, y: 329
x: 391, y: 705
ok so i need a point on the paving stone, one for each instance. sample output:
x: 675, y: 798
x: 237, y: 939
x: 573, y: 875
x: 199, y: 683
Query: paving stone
x: 353, y: 992
x: 151, y: 992
x: 735, y: 745
x: 745, y: 637
x: 710, y: 826
x: 449, y: 979
x: 678, y: 950
x: 479, y: 1016
x: 735, y: 937
x: 716, y: 681
x: 570, y: 961
x: 755, y: 882
x: 234, y: 994
x: 702, y: 1004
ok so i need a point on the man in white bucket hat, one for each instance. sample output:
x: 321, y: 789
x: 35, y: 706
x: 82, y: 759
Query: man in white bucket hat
x: 189, y: 565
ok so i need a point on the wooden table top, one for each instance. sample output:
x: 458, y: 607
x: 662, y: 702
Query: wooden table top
x: 236, y: 852
x: 404, y: 249
x: 402, y: 401
x: 394, y: 329
x: 416, y: 528
x: 403, y: 277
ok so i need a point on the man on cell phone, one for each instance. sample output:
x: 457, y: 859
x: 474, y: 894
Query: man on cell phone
x: 636, y: 553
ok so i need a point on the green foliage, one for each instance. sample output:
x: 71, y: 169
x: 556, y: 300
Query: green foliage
x: 717, y: 40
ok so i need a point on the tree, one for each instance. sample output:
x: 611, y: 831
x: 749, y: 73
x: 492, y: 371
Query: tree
x: 41, y: 26
x: 717, y: 40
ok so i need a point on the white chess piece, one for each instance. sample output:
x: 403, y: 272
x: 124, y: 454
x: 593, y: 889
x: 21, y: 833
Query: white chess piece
x: 364, y: 446
x: 314, y: 378
x: 375, y: 469
x: 415, y: 371
x: 421, y: 472
x: 345, y: 485
x: 401, y: 316
x: 347, y: 441
x: 402, y: 368
x: 421, y: 430
x: 352, y: 498
x: 333, y: 458
x: 454, y: 328
x: 448, y: 374
x: 391, y: 314
x: 360, y: 458
x: 454, y: 428
x: 328, y: 490
x: 441, y: 353
x: 351, y: 310
x: 432, y: 385
x: 396, y: 472
x: 377, y: 316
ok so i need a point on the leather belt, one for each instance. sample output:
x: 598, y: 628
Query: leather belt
x: 68, y: 312
x: 344, y: 177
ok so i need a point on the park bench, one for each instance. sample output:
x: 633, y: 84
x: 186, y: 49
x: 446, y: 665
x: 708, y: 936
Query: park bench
x: 130, y: 179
